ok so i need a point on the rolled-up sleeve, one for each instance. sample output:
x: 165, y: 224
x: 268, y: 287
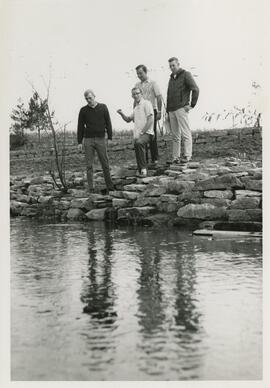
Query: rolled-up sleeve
x: 148, y: 108
x: 156, y: 89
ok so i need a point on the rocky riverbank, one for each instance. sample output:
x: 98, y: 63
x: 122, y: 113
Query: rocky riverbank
x: 210, y: 191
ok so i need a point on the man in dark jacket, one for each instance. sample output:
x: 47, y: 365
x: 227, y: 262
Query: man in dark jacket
x: 182, y: 95
x: 94, y: 120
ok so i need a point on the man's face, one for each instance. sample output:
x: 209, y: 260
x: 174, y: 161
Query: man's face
x: 90, y: 98
x: 142, y: 75
x: 174, y: 66
x: 137, y: 95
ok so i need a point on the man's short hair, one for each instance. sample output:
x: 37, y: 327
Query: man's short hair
x: 141, y: 67
x: 173, y: 59
x: 136, y: 88
x: 89, y: 91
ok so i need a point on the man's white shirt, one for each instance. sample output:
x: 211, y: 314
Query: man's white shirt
x: 140, y: 114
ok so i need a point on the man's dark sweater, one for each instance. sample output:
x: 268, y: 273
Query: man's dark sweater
x: 93, y: 122
x: 179, y: 89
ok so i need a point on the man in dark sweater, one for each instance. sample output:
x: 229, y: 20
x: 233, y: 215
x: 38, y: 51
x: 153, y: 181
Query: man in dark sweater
x: 94, y: 120
x: 181, y: 89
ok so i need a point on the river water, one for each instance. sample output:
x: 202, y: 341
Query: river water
x: 91, y: 302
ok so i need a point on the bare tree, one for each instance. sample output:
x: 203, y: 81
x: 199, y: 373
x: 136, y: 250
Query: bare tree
x: 59, y: 177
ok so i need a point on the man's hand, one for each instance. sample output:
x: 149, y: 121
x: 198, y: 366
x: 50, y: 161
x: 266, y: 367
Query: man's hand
x: 80, y: 147
x: 187, y: 108
x: 158, y: 115
x: 109, y: 141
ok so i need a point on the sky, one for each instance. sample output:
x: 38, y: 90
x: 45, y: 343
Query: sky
x: 91, y: 44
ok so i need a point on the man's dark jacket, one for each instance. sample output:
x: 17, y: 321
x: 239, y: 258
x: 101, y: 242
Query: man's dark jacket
x: 93, y: 122
x: 179, y: 88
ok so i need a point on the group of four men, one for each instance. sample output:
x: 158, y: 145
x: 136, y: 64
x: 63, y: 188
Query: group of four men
x: 94, y: 120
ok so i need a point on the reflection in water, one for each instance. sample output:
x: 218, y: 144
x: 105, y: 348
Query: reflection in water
x: 186, y: 317
x: 99, y: 293
x: 99, y: 296
x: 151, y: 311
x: 94, y: 303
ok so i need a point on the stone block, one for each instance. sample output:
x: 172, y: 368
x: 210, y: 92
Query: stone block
x: 130, y: 195
x: 167, y: 207
x: 135, y: 215
x: 135, y: 187
x: 155, y: 191
x: 219, y: 202
x: 75, y: 214
x: 146, y: 201
x: 203, y: 211
x: 247, y: 193
x: 96, y: 214
x: 252, y: 184
x: 120, y: 202
x: 224, y: 194
x: 223, y: 182
x: 169, y: 198
x: 246, y: 203
x: 178, y: 186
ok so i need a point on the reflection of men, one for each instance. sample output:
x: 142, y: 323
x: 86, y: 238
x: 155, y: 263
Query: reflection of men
x: 181, y: 85
x: 151, y: 92
x: 94, y: 120
x: 143, y: 117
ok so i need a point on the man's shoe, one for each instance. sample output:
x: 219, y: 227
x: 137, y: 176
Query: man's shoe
x: 184, y: 161
x: 143, y: 173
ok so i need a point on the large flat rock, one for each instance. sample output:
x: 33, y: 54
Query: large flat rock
x: 203, y: 211
x: 224, y: 194
x: 223, y: 182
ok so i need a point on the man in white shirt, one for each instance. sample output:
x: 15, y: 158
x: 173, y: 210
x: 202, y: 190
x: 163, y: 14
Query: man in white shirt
x: 150, y: 91
x: 143, y: 117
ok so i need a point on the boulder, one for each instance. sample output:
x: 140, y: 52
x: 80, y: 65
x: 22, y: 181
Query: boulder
x: 16, y: 208
x: 96, y: 214
x: 247, y: 193
x: 62, y: 205
x: 245, y: 215
x: 222, y: 182
x: 145, y: 201
x: 75, y: 214
x: 203, y: 211
x: 135, y: 187
x: 252, y: 184
x: 195, y: 176
x: 135, y: 215
x: 178, y: 186
x: 217, y: 201
x: 168, y: 207
x: 189, y: 196
x: 132, y: 195
x: 85, y: 204
x: 45, y: 199
x: 155, y: 191
x: 194, y: 165
x: 30, y: 211
x: 37, y: 180
x: 120, y: 202
x: 116, y: 194
x: 169, y: 198
x: 246, y: 203
x: 222, y: 194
